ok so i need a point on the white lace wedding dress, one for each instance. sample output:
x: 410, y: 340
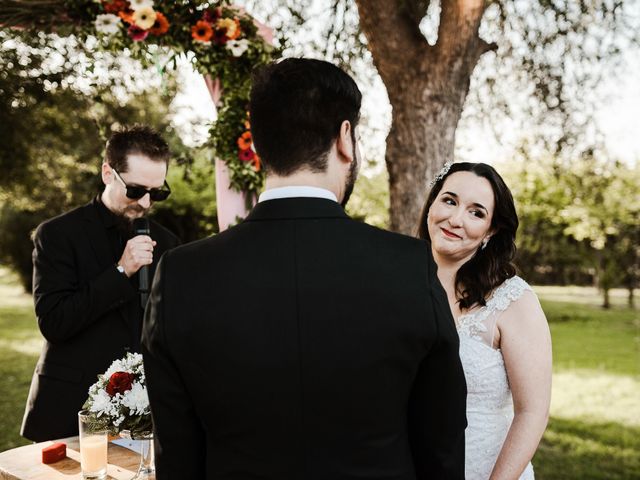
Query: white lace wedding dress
x: 489, y: 402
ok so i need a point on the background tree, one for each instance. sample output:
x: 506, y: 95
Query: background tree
x: 580, y: 222
x: 549, y: 57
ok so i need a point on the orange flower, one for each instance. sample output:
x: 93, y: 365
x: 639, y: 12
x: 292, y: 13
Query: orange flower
x: 256, y: 163
x: 201, y: 31
x: 127, y: 16
x: 244, y: 141
x: 237, y: 30
x: 161, y: 26
x: 231, y: 27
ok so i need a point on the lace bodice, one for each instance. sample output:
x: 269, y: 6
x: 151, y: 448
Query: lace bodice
x: 489, y: 402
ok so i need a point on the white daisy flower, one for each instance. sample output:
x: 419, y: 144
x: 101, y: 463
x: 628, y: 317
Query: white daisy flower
x: 139, y: 4
x: 238, y: 47
x: 107, y: 24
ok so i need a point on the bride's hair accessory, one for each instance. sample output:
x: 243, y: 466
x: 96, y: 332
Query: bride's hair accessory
x: 441, y: 174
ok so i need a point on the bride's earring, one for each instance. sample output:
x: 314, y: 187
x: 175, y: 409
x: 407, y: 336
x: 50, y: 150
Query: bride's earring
x: 484, y: 244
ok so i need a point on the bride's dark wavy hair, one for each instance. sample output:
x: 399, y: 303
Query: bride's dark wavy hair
x: 490, y: 267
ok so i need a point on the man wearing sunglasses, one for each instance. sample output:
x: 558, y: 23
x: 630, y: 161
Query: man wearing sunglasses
x: 86, y: 284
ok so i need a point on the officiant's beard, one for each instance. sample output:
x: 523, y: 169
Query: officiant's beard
x: 351, y: 179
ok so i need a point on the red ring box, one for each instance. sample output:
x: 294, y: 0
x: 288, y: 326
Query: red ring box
x: 54, y: 453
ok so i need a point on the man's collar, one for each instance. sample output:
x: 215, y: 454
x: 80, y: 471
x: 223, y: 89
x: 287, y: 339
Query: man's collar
x: 296, y: 192
x: 294, y: 208
x: 107, y: 217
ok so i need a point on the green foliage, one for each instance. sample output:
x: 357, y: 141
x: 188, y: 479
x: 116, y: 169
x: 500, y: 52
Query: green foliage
x: 370, y: 199
x: 580, y: 222
x: 53, y: 155
x: 190, y: 211
x: 159, y: 49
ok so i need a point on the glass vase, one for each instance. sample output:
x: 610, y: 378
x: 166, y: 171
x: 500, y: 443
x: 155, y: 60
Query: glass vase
x: 146, y: 469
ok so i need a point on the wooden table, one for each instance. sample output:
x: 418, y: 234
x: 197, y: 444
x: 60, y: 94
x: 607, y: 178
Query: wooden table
x: 25, y: 463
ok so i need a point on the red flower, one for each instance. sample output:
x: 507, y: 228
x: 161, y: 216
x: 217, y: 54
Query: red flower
x: 212, y: 15
x: 120, y: 382
x: 246, y: 155
x: 220, y: 36
x: 115, y: 6
x: 137, y: 34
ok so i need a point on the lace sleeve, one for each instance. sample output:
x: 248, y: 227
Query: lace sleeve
x: 482, y: 323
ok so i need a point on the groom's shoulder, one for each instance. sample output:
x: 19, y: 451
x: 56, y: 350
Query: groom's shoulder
x: 199, y: 248
x: 396, y: 245
x: 394, y: 239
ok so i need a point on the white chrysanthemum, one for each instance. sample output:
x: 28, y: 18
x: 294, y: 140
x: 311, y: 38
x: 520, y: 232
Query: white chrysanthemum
x: 101, y: 403
x: 116, y: 366
x: 132, y: 362
x: 136, y: 399
x: 138, y: 4
x: 238, y: 47
x: 107, y: 24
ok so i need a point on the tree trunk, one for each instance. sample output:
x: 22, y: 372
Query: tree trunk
x: 427, y: 86
x: 421, y: 140
x: 630, y: 299
x: 606, y: 300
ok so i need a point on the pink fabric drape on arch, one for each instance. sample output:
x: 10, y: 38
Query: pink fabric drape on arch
x: 231, y: 204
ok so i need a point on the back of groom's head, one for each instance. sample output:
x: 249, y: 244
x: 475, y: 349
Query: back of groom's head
x: 296, y: 108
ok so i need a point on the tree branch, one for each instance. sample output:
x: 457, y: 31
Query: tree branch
x: 392, y: 33
x: 458, y: 41
x: 484, y: 47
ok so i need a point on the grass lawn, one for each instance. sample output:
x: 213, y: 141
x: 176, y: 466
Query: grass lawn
x: 20, y: 343
x: 594, y: 431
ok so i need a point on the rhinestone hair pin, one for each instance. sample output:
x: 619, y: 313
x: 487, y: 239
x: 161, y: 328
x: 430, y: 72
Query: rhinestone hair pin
x: 441, y: 174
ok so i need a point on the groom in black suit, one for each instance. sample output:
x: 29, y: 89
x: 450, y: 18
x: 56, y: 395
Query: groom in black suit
x: 85, y: 281
x: 301, y: 344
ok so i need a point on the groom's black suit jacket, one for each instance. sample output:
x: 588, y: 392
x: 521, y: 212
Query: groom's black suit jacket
x: 88, y: 313
x: 303, y: 345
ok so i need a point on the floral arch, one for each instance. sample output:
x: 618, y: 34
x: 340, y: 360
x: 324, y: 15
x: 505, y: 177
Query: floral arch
x: 226, y: 42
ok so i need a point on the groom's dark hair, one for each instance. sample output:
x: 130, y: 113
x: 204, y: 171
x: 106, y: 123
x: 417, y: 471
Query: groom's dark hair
x: 296, y: 109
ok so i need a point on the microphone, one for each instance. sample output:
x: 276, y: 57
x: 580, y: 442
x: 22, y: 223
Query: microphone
x: 141, y: 227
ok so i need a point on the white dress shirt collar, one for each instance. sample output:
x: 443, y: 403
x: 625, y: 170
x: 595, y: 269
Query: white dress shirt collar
x: 296, y: 191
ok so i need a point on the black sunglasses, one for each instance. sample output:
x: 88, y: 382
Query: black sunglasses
x: 136, y: 192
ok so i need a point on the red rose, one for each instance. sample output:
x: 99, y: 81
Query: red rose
x: 120, y: 382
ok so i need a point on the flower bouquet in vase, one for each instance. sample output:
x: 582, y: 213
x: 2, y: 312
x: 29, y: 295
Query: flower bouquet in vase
x: 118, y: 402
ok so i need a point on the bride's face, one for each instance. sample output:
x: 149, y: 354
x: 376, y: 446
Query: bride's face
x: 460, y: 217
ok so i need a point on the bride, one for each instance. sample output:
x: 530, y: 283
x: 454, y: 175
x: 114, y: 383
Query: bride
x: 470, y: 221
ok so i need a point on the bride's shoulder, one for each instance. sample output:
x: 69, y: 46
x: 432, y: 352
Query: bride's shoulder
x: 512, y: 290
x: 516, y: 299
